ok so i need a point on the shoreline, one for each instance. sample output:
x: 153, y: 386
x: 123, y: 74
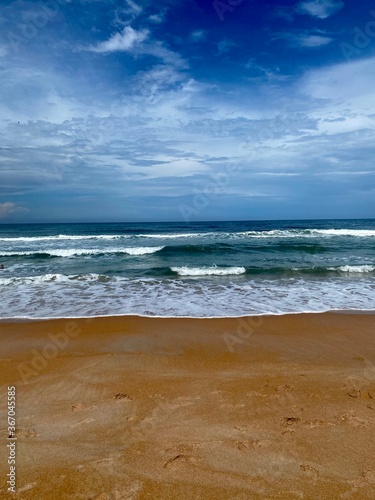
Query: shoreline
x: 230, y: 408
x: 26, y: 319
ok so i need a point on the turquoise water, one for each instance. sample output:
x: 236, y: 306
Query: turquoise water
x: 198, y: 269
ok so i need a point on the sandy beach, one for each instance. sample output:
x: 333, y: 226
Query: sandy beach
x: 143, y: 408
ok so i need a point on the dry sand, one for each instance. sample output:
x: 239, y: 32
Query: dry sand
x: 141, y: 408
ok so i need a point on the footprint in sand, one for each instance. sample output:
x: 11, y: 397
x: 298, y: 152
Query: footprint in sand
x: 369, y: 476
x: 361, y: 393
x: 288, y: 421
x: 242, y: 446
x: 310, y: 471
x: 81, y: 407
x: 26, y: 433
x: 184, y: 449
x: 176, y: 461
x: 105, y: 465
x: 351, y: 418
x: 122, y: 396
x: 257, y: 443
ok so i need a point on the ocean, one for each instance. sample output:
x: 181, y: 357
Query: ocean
x: 202, y: 269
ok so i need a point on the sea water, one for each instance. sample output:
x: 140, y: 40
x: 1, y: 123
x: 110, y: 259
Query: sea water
x: 203, y: 269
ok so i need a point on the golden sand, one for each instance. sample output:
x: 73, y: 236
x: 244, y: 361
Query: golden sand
x: 140, y: 408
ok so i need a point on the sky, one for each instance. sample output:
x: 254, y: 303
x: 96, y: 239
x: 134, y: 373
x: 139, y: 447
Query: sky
x: 185, y: 110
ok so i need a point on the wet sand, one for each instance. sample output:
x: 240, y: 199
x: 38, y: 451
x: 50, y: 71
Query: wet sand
x: 140, y: 408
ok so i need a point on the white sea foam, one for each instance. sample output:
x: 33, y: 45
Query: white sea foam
x: 175, y: 235
x: 52, y: 278
x: 345, y: 232
x: 72, y: 252
x: 274, y: 233
x: 208, y: 271
x: 45, y: 278
x: 56, y: 295
x: 142, y: 250
x: 63, y: 252
x: 307, y: 233
x: 354, y: 269
x: 60, y: 237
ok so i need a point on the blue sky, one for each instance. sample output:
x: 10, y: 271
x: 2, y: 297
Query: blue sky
x: 186, y: 110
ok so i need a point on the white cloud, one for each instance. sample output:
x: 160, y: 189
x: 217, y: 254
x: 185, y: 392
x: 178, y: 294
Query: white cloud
x: 307, y: 40
x: 352, y: 82
x: 348, y: 125
x: 314, y: 40
x: 158, y: 50
x: 176, y: 167
x: 198, y: 35
x: 225, y: 45
x: 31, y: 93
x: 125, y: 14
x: 157, y: 18
x: 9, y: 208
x: 182, y: 128
x: 320, y: 8
x: 133, y: 7
x: 131, y: 40
x: 159, y: 79
x: 121, y: 42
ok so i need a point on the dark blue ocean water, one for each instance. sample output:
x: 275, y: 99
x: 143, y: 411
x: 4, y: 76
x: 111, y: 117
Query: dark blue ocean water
x: 174, y: 269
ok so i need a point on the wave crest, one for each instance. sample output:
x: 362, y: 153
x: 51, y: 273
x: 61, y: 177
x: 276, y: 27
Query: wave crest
x: 208, y: 271
x: 354, y: 269
x: 142, y: 250
x: 72, y: 252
